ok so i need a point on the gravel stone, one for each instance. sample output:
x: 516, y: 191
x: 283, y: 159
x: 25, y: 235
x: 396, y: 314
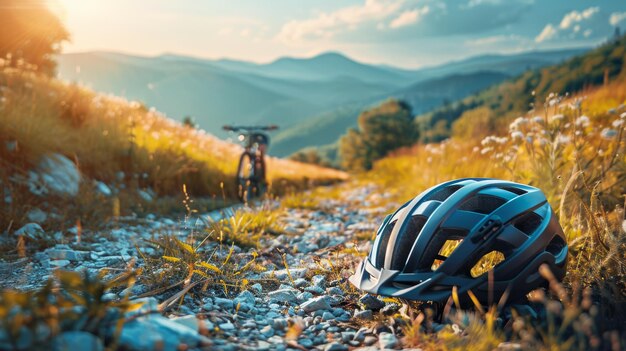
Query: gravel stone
x: 371, y: 303
x: 387, y: 341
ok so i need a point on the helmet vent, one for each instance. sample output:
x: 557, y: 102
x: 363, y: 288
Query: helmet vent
x: 384, y: 240
x: 406, y: 241
x: 437, y: 244
x: 486, y: 263
x: 513, y: 190
x: 556, y: 245
x: 446, y: 250
x: 528, y: 223
x: 484, y: 204
x: 444, y: 193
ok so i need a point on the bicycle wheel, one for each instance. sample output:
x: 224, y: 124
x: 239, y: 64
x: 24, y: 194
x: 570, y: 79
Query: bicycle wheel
x: 260, y: 176
x: 246, y: 181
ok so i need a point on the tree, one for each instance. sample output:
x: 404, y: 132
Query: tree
x: 382, y: 129
x: 188, y: 121
x: 30, y: 34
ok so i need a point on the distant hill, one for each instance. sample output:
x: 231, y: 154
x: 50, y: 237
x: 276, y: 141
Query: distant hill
x: 321, y: 93
x: 513, y: 97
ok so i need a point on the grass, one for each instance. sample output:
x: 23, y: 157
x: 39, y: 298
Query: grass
x: 119, y: 142
x: 573, y: 149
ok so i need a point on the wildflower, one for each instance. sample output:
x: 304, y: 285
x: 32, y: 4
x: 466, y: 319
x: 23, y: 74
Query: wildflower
x: 557, y: 118
x: 538, y: 120
x: 608, y: 134
x: 562, y: 139
x: 486, y: 150
x: 617, y: 123
x: 623, y: 115
x: 517, y: 135
x: 519, y: 121
x: 475, y: 149
x: 582, y: 121
x: 553, y: 102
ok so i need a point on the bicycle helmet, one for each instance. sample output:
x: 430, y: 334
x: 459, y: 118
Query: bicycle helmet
x: 412, y: 256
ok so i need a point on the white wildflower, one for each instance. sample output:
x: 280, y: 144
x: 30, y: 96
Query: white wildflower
x: 475, y: 149
x: 518, y: 122
x: 582, y: 121
x: 563, y: 139
x: 538, y: 120
x: 617, y: 123
x: 557, y: 118
x: 486, y: 150
x: 608, y: 134
x: 623, y: 115
x: 517, y: 135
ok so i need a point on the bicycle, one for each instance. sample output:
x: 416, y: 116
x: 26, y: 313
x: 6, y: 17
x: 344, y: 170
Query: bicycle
x: 251, y: 171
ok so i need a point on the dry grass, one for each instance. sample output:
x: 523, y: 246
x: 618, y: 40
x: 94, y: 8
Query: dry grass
x: 107, y: 136
x: 573, y: 149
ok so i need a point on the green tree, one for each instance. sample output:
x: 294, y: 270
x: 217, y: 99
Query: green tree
x: 30, y: 34
x: 382, y: 129
x: 188, y: 121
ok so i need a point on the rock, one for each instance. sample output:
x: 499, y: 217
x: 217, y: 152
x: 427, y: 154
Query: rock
x: 335, y: 346
x: 103, y: 189
x: 304, y: 296
x: 192, y: 322
x: 335, y: 291
x: 59, y: 263
x: 300, y: 283
x: 228, y: 326
x: 145, y: 195
x: 267, y: 331
x: 283, y: 295
x: 360, y: 334
x: 371, y: 303
x: 347, y: 336
x: 65, y: 254
x: 257, y: 288
x: 390, y: 309
x: 327, y: 316
x: 282, y: 274
x: 148, y: 305
x: 224, y: 303
x: 367, y: 315
x: 306, y: 343
x: 369, y: 340
x: 245, y: 297
x: 387, y: 341
x: 318, y: 303
x: 36, y: 215
x: 31, y: 231
x: 314, y: 289
x: 157, y: 332
x: 319, y: 280
x: 58, y: 175
x: 77, y: 340
x: 280, y: 324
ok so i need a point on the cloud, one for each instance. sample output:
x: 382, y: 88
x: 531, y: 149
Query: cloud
x: 548, y: 32
x: 575, y: 17
x: 570, y: 26
x: 495, y: 39
x: 616, y: 18
x: 409, y: 17
x: 328, y: 24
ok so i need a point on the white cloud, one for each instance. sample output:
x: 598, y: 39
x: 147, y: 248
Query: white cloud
x: 575, y: 17
x: 547, y: 33
x: 495, y: 39
x: 616, y: 18
x: 327, y: 24
x: 409, y: 17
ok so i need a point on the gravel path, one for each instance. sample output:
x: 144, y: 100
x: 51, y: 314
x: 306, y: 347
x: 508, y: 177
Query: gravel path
x: 308, y: 305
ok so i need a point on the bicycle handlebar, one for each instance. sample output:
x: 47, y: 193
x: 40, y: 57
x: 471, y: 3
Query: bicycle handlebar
x: 249, y: 128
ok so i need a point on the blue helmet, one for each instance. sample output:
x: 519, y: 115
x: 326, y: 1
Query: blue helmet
x: 412, y: 256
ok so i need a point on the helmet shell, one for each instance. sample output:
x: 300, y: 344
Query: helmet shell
x: 483, y: 217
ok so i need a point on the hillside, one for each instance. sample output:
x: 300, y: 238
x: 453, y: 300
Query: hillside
x: 113, y: 144
x: 423, y: 96
x: 508, y: 100
x: 287, y: 91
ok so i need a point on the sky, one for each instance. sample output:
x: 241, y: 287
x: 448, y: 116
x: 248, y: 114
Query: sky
x: 405, y: 33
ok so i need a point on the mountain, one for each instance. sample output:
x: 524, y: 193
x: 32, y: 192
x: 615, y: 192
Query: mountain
x: 423, y: 97
x: 494, y: 107
x: 323, y: 93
